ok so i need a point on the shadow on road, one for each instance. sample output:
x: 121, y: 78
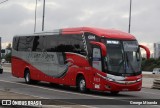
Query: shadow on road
x: 73, y: 89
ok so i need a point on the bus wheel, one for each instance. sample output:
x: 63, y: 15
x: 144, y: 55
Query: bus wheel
x: 27, y: 77
x: 82, y: 84
x: 114, y: 92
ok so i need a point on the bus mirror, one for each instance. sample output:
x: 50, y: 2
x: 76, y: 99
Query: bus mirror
x: 147, y: 50
x: 102, y: 46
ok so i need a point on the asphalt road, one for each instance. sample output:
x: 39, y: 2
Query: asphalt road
x: 91, y: 99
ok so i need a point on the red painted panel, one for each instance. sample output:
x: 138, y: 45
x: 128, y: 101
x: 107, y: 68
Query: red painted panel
x: 107, y: 33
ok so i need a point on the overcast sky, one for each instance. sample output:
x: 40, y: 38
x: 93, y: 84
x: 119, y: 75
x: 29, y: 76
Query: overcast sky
x: 17, y: 17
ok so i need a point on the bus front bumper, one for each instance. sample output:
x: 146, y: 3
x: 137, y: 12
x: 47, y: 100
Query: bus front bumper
x: 127, y: 86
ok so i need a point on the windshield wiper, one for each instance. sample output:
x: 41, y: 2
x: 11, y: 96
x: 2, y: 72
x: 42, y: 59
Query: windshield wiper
x: 129, y: 63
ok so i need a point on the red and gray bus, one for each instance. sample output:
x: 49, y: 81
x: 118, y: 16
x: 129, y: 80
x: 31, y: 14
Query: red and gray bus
x: 84, y: 57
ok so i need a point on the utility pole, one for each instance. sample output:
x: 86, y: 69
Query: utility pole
x: 129, y: 28
x: 43, y: 15
x: 35, y: 17
x: 0, y: 51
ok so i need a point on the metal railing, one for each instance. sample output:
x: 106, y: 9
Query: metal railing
x: 156, y: 84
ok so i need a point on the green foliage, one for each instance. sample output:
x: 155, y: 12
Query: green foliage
x: 9, y: 47
x: 8, y: 57
x: 150, y: 64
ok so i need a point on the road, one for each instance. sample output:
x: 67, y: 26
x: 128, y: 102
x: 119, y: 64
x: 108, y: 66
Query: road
x: 69, y: 95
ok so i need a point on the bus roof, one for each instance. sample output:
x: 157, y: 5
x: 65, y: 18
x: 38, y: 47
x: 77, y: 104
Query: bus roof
x: 107, y: 33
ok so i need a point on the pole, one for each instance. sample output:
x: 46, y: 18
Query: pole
x: 0, y: 51
x: 43, y: 15
x: 129, y: 29
x: 35, y: 17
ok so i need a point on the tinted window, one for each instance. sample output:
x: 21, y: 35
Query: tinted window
x: 71, y: 43
x: 38, y: 44
x: 90, y: 37
x: 15, y: 43
x: 22, y: 44
x: 51, y: 43
x: 29, y: 43
x: 65, y: 43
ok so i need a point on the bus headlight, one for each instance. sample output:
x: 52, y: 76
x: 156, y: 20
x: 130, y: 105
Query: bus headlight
x: 139, y: 79
x: 110, y: 79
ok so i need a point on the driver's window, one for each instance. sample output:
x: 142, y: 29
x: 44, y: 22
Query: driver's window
x: 97, y: 63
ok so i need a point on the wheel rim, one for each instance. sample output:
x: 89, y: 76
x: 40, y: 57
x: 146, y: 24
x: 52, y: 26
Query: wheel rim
x: 27, y: 77
x: 82, y: 85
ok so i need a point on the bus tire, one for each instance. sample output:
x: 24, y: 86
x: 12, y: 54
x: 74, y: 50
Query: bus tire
x: 114, y: 92
x: 81, y: 84
x: 27, y: 77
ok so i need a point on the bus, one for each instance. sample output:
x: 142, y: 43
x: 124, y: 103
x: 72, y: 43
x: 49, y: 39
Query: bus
x: 84, y: 57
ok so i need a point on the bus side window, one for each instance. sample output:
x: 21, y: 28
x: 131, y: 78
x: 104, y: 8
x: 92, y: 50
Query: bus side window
x: 61, y: 58
x: 29, y: 43
x: 51, y: 43
x: 35, y: 43
x: 38, y: 44
x: 22, y: 44
x: 15, y: 43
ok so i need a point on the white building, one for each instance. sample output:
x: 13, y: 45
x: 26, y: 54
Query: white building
x: 156, y: 50
x: 4, y: 52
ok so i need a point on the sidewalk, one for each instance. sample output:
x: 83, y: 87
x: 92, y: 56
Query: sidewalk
x: 6, y: 67
x: 147, y: 82
x: 6, y: 94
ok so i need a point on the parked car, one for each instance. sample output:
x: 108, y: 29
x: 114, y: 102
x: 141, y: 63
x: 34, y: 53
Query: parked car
x: 156, y: 71
x: 3, y: 60
x: 1, y: 69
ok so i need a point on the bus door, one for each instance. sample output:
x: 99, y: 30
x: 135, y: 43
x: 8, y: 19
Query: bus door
x: 97, y: 64
x: 96, y: 57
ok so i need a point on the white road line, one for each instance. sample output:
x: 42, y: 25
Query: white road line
x: 60, y: 90
x: 156, y: 105
x: 73, y: 93
x: 149, y: 93
x: 46, y: 89
x: 26, y: 94
x: 70, y: 92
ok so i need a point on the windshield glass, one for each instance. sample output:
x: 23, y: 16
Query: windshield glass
x: 132, y: 55
x: 123, y: 57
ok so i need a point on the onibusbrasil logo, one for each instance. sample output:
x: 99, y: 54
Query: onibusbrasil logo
x: 21, y: 102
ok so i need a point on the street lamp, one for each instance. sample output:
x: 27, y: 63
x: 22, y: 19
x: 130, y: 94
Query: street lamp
x: 129, y: 28
x: 43, y: 15
x: 35, y: 17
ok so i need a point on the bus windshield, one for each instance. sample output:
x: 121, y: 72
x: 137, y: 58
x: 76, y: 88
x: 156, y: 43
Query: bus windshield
x: 123, y: 57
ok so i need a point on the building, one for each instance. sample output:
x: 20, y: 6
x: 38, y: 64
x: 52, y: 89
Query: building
x: 5, y: 52
x: 156, y: 50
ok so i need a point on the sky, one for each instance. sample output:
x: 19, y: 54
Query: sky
x: 18, y: 17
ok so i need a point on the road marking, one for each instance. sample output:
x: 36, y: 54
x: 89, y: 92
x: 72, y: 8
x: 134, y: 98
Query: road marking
x: 26, y: 94
x: 157, y: 105
x: 149, y: 93
x: 71, y: 93
x: 59, y: 90
x: 46, y: 89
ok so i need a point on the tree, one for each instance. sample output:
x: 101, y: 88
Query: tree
x: 8, y: 55
x: 9, y: 47
x: 150, y: 64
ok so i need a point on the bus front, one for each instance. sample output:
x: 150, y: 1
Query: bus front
x: 121, y: 64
